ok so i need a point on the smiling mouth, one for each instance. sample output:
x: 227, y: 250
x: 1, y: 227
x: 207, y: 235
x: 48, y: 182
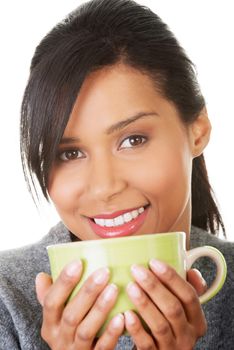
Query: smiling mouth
x: 119, y: 220
x: 120, y: 225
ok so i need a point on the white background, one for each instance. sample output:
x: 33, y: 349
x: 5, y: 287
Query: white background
x: 204, y: 28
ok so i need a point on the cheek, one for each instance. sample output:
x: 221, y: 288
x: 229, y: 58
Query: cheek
x: 164, y: 174
x: 64, y: 189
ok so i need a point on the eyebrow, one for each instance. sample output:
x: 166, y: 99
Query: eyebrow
x: 115, y: 127
x: 123, y: 123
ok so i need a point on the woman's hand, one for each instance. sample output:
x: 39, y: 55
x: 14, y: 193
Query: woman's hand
x: 169, y: 305
x: 75, y: 325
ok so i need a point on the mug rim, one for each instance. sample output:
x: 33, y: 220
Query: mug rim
x: 113, y: 239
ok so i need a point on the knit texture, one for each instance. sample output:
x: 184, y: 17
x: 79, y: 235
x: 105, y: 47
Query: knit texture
x: 21, y: 314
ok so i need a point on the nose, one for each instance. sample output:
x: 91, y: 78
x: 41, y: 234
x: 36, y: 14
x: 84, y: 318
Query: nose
x: 105, y: 179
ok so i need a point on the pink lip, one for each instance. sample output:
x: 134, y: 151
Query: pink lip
x: 126, y: 229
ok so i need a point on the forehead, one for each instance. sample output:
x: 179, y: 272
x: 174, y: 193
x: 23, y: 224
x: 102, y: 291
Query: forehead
x: 114, y: 93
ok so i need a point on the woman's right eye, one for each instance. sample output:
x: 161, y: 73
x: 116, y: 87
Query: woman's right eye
x: 70, y: 155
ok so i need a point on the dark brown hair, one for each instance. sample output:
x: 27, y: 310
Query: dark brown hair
x: 102, y: 33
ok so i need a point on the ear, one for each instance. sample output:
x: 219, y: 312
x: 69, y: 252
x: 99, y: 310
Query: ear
x: 199, y: 133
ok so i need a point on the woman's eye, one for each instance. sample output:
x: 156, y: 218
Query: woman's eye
x: 70, y: 155
x: 133, y: 141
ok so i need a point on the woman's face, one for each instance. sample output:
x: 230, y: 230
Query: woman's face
x: 124, y: 162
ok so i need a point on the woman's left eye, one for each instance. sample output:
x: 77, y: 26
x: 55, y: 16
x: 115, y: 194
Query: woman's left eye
x: 133, y: 141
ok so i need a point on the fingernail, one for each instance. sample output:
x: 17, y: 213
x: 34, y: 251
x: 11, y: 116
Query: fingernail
x: 204, y: 284
x: 101, y: 275
x: 134, y: 290
x: 158, y: 266
x: 117, y: 321
x: 110, y: 292
x: 139, y: 272
x: 129, y: 317
x: 73, y: 269
x: 201, y: 277
x: 198, y: 273
x: 38, y: 277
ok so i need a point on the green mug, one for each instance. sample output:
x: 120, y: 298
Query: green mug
x: 118, y: 254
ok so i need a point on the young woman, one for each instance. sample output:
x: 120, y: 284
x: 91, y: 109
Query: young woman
x: 113, y: 129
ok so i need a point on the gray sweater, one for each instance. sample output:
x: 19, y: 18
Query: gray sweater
x: 20, y: 312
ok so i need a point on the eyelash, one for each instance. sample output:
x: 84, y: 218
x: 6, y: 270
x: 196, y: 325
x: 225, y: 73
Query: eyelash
x: 63, y: 154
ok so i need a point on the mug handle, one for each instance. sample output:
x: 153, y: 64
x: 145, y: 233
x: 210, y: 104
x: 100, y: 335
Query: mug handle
x: 218, y: 258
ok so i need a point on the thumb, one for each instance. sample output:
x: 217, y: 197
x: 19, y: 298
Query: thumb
x: 195, y: 278
x: 43, y: 283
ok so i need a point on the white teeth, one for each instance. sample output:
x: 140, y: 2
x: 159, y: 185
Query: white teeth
x: 121, y: 219
x: 127, y: 217
x: 135, y: 214
x: 109, y: 223
x: 100, y: 222
x: 140, y: 210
